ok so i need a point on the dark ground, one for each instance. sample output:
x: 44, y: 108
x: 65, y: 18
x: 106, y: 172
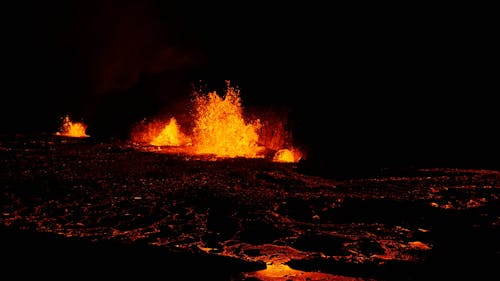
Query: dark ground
x: 86, y: 208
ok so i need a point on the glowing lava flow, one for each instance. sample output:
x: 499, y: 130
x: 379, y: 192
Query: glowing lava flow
x: 72, y: 129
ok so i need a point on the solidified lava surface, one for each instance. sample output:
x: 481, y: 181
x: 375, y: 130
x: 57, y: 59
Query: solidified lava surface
x: 108, y: 207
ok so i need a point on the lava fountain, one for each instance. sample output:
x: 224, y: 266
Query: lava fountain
x: 72, y: 129
x: 220, y: 129
x: 170, y: 135
x: 286, y: 155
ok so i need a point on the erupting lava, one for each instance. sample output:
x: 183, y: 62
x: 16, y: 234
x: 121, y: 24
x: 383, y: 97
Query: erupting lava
x: 72, y: 129
x: 170, y: 135
x: 286, y: 156
x: 219, y: 128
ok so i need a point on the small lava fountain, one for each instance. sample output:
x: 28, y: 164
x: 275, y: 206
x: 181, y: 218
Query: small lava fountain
x: 72, y: 129
x: 286, y: 155
x: 170, y: 135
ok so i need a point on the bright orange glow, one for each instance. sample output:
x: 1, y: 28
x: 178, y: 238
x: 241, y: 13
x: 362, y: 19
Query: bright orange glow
x: 170, y: 135
x: 286, y: 156
x: 158, y: 133
x: 419, y: 245
x: 72, y: 129
x: 220, y: 128
x: 276, y: 270
x: 282, y: 272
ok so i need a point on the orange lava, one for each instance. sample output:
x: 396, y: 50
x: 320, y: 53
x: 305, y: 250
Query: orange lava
x: 72, y: 129
x: 170, y: 135
x: 218, y: 128
x: 276, y: 258
x: 286, y: 155
x: 282, y: 272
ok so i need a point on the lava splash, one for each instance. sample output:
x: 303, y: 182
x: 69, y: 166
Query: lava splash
x: 72, y: 129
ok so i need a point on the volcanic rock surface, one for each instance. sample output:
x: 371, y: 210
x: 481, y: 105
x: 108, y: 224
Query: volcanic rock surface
x: 79, y: 207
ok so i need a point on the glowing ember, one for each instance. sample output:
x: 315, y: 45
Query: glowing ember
x: 220, y: 128
x: 72, y: 129
x: 170, y: 135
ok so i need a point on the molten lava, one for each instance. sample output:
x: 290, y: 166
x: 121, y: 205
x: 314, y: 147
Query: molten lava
x: 72, y: 129
x: 286, y: 156
x: 220, y: 128
x: 170, y: 135
x: 159, y: 133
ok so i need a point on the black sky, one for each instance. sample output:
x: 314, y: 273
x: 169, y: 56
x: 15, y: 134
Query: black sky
x: 386, y: 74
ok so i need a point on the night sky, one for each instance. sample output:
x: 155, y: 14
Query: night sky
x: 373, y: 77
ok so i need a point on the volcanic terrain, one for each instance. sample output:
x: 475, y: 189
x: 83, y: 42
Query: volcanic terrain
x: 81, y: 207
